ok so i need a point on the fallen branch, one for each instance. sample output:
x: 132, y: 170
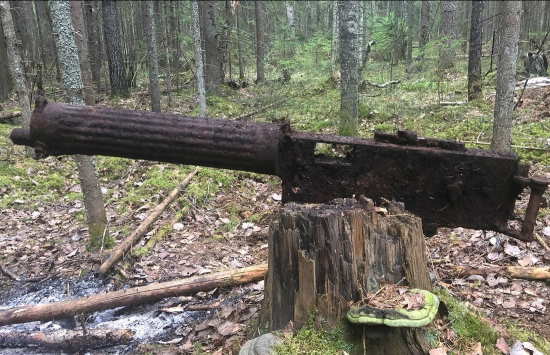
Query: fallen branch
x: 260, y: 110
x: 513, y: 146
x: 452, y: 103
x: 68, y: 340
x: 541, y: 241
x: 10, y: 116
x: 132, y: 296
x: 381, y: 86
x: 4, y: 270
x: 516, y: 272
x: 133, y: 238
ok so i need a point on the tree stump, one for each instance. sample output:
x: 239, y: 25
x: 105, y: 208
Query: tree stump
x: 323, y: 257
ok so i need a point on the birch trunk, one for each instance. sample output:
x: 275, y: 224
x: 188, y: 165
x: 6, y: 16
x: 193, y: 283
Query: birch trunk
x: 506, y: 76
x: 72, y: 81
x: 198, y: 59
x: 335, y: 52
x: 349, y: 62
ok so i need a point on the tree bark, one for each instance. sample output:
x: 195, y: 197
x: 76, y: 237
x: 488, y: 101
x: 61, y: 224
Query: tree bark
x: 199, y: 73
x: 152, y: 55
x: 474, y: 54
x: 349, y: 63
x: 140, y: 231
x: 132, y: 296
x: 239, y: 48
x: 6, y: 83
x: 81, y: 37
x: 323, y: 257
x: 260, y: 45
x: 335, y: 44
x: 112, y: 35
x: 506, y: 76
x: 72, y: 82
x: 15, y: 63
x: 48, y: 52
x: 91, y: 9
x: 448, y: 27
x: 424, y: 25
x: 212, y: 68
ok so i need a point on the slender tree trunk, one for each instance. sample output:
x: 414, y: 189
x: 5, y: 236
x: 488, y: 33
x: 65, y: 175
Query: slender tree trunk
x: 524, y: 34
x: 81, y: 37
x: 198, y: 59
x: 239, y: 48
x: 506, y: 76
x: 91, y: 10
x: 113, y: 43
x: 260, y: 45
x: 152, y: 55
x: 290, y: 17
x: 349, y: 61
x: 47, y: 46
x: 335, y: 46
x: 6, y: 84
x: 410, y: 30
x: 474, y: 55
x: 448, y: 26
x: 167, y: 48
x: 15, y: 63
x: 424, y: 25
x: 72, y: 81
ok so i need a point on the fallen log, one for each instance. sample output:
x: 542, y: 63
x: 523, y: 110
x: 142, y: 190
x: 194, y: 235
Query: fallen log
x: 516, y: 272
x: 380, y: 86
x: 132, y: 296
x: 67, y: 340
x: 133, y: 238
x: 9, y: 116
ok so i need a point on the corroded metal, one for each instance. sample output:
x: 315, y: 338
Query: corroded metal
x: 439, y: 180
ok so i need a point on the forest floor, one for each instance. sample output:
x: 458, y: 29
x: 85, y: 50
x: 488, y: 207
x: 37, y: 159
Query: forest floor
x: 225, y: 215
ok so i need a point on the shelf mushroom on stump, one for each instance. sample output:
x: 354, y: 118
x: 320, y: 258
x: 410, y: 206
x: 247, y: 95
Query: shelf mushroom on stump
x: 325, y: 257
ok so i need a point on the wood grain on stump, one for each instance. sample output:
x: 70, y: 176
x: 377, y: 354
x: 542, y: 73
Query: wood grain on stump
x: 324, y: 256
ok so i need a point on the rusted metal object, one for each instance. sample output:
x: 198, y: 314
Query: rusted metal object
x: 439, y: 180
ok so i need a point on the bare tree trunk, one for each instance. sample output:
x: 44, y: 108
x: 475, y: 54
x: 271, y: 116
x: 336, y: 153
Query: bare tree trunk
x: 91, y: 9
x: 506, y: 76
x: 424, y: 25
x: 349, y: 62
x: 290, y: 17
x: 198, y: 59
x: 260, y: 45
x: 47, y: 46
x: 410, y: 30
x: 72, y: 81
x: 335, y: 47
x: 168, y: 60
x: 448, y: 26
x: 113, y: 43
x: 212, y: 71
x: 474, y: 55
x: 81, y: 37
x: 239, y: 49
x: 6, y: 83
x: 152, y: 56
x: 15, y: 63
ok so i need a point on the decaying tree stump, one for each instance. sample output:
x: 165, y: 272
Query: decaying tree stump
x: 321, y: 257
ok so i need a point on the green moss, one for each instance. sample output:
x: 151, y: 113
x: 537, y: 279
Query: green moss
x: 315, y: 341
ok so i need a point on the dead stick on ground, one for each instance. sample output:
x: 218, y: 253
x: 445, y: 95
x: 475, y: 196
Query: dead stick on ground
x: 4, y: 270
x: 133, y: 238
x: 9, y: 116
x: 541, y: 241
x: 68, y: 340
x: 132, y: 296
x: 516, y: 272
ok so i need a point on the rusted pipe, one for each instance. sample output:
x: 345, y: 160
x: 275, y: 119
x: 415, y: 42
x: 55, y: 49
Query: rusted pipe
x: 58, y: 129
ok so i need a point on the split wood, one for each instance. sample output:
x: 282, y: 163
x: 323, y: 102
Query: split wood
x: 67, y: 340
x: 516, y: 272
x: 132, y: 296
x: 133, y: 238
